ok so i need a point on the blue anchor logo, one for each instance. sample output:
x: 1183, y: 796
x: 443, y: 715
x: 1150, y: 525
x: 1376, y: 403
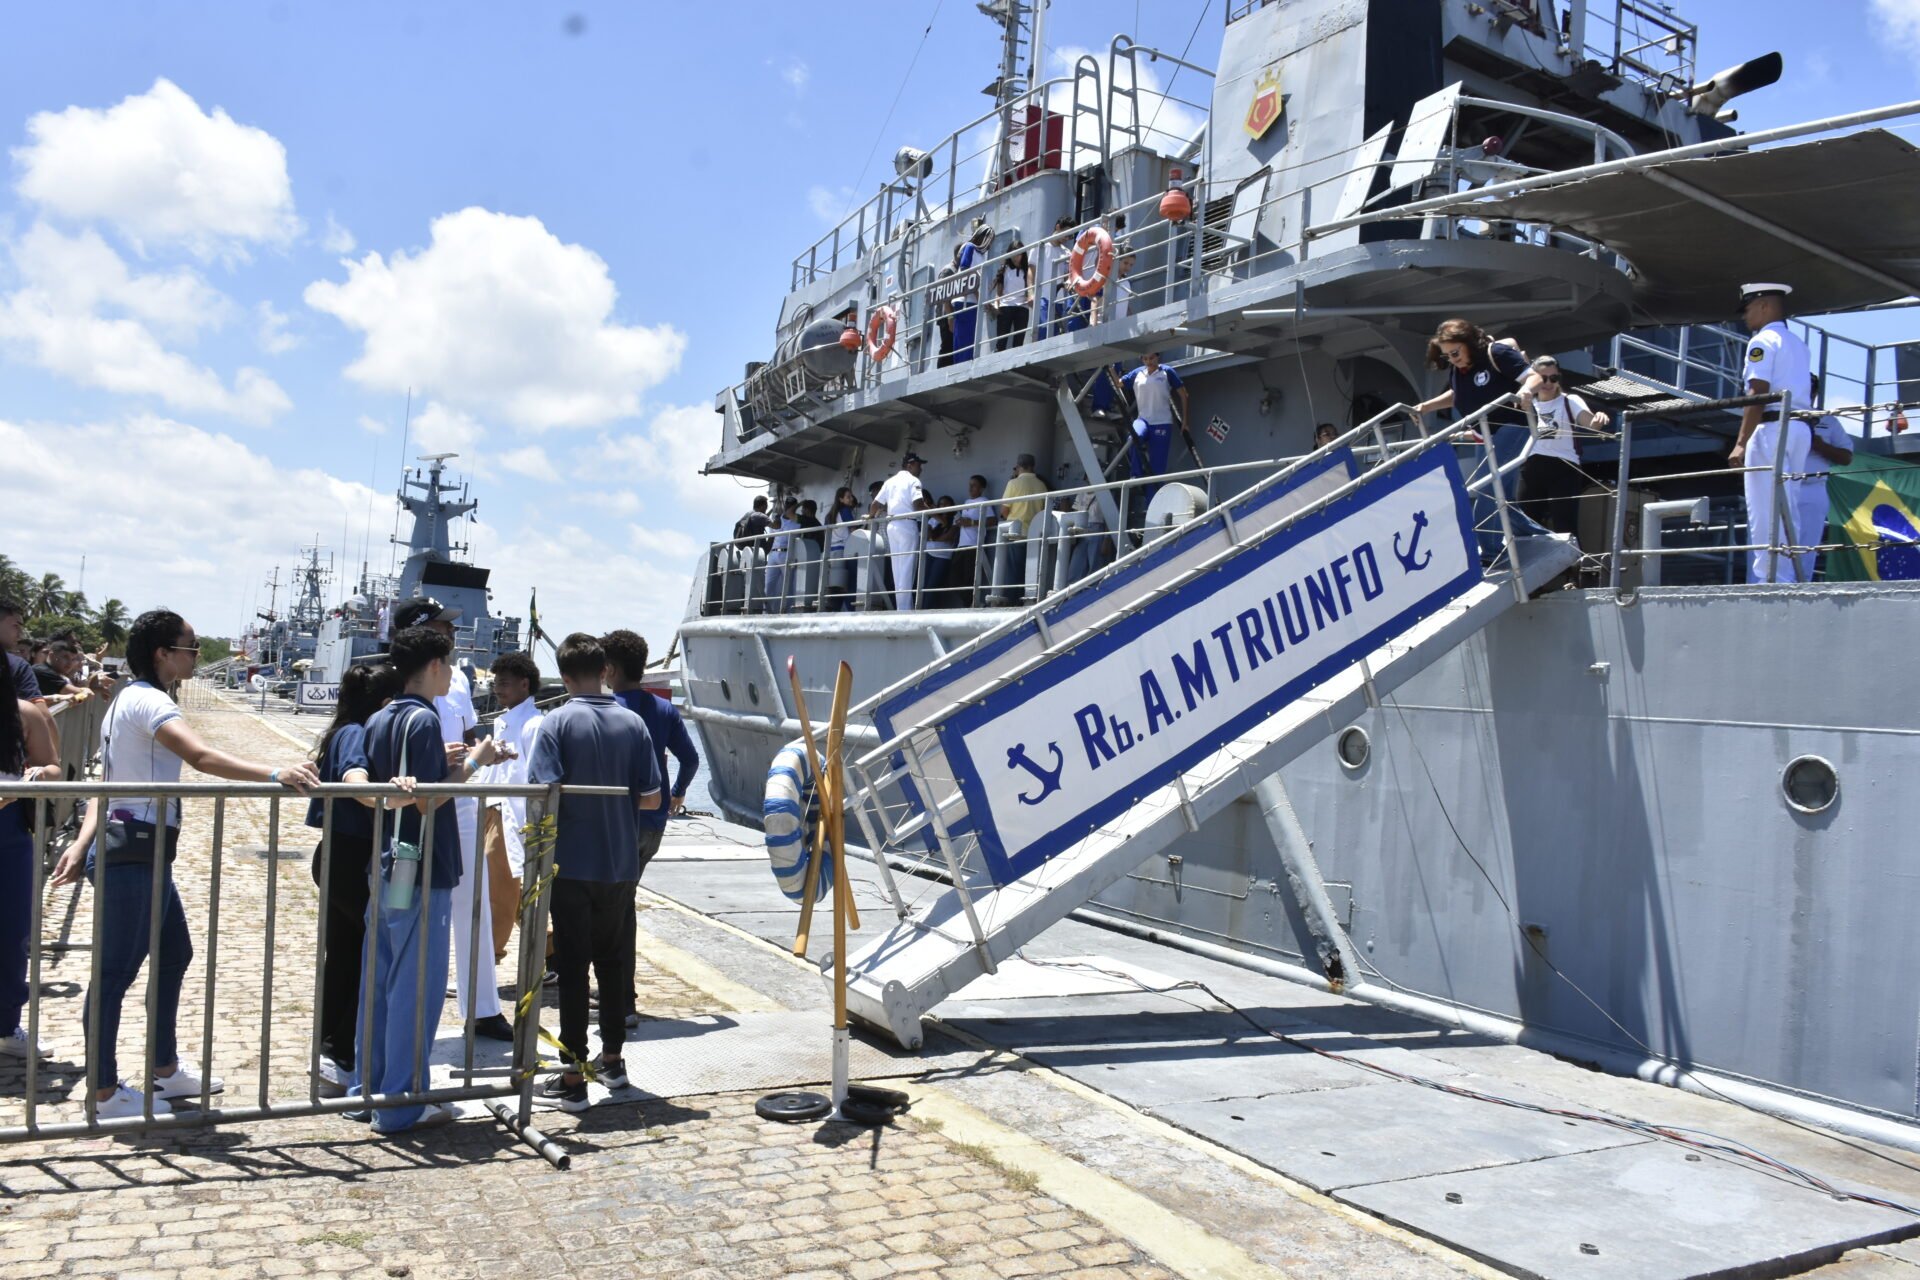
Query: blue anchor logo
x: 1407, y: 558
x: 1049, y: 778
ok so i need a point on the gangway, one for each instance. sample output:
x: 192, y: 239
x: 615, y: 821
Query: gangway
x: 1046, y: 759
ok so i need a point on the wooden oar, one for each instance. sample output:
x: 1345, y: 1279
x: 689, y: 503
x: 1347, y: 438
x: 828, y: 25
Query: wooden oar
x: 836, y: 819
x: 843, y: 911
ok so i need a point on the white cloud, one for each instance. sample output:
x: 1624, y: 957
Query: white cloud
x: 829, y: 204
x: 665, y: 456
x: 530, y: 461
x: 499, y: 317
x: 161, y: 171
x: 619, y: 502
x: 1899, y: 20
x: 372, y: 425
x: 438, y: 429
x: 796, y: 73
x: 80, y: 314
x: 271, y: 331
x: 183, y: 517
x: 671, y: 545
x: 336, y: 239
x: 585, y: 583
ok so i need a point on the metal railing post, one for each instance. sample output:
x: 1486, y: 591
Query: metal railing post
x: 1781, y: 525
x: 1617, y: 538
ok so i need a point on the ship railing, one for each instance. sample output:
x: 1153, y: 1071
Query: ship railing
x: 278, y: 970
x: 1639, y: 528
x: 1123, y: 63
x: 850, y: 565
x: 1634, y: 40
x: 941, y: 185
x: 77, y: 726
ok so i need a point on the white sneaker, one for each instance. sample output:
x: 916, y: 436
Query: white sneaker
x: 333, y: 1078
x: 14, y: 1045
x: 184, y: 1083
x: 125, y: 1102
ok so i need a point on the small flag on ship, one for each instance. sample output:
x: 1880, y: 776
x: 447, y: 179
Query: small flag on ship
x: 1217, y: 429
x: 533, y: 616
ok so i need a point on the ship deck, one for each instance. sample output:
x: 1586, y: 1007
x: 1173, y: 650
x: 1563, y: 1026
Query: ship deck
x: 1160, y: 1071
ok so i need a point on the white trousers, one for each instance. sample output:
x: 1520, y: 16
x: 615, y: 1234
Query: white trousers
x: 473, y: 878
x: 903, y: 542
x: 1761, y: 516
x: 1810, y: 522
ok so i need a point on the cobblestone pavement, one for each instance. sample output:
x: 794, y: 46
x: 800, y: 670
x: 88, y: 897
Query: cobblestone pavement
x: 697, y: 1188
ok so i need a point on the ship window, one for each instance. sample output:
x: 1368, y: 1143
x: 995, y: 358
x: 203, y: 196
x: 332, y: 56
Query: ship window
x: 725, y: 692
x: 753, y: 693
x: 1353, y: 747
x: 1810, y: 784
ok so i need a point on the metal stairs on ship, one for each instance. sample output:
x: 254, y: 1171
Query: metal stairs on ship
x: 910, y: 801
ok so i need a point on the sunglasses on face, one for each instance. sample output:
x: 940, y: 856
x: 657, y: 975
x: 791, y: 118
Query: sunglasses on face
x: 1550, y: 377
x: 186, y: 648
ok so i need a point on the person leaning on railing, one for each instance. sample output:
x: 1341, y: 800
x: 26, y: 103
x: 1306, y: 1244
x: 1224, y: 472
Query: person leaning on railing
x: 1550, y: 475
x: 1480, y: 369
x: 342, y: 757
x: 145, y: 739
x: 27, y: 754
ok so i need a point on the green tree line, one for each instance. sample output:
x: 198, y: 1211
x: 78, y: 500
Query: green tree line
x: 51, y: 608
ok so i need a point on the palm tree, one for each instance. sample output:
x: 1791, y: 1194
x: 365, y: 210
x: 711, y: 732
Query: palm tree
x: 15, y: 585
x: 49, y: 595
x: 110, y: 619
x: 74, y: 604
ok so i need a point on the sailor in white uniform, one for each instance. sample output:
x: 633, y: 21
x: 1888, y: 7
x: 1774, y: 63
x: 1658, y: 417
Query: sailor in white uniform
x: 1776, y: 360
x: 1831, y: 447
x: 902, y: 495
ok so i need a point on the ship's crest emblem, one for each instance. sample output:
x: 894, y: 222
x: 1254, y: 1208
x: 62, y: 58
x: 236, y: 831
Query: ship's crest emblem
x: 1266, y: 104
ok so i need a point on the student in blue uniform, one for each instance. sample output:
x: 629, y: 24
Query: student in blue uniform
x: 592, y: 741
x: 966, y: 308
x: 626, y: 669
x: 1153, y: 387
x: 27, y: 753
x: 342, y: 757
x: 404, y: 745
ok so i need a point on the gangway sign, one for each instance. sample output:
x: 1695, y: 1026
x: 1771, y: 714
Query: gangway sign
x: 1044, y: 759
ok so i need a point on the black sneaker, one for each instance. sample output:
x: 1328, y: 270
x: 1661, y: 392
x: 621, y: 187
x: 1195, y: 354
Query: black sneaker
x: 494, y: 1028
x: 570, y: 1097
x: 612, y: 1074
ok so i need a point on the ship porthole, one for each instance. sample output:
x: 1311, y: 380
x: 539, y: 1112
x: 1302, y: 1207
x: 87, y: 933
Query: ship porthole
x: 753, y: 693
x: 1354, y: 748
x: 725, y: 692
x: 1810, y: 784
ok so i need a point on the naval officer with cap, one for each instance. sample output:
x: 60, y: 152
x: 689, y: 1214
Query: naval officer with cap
x: 900, y: 497
x: 1776, y: 361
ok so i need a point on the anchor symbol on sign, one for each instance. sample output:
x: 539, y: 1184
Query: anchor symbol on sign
x: 1407, y: 558
x: 1049, y: 778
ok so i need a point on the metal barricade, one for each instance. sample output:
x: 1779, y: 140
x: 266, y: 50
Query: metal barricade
x: 466, y: 1081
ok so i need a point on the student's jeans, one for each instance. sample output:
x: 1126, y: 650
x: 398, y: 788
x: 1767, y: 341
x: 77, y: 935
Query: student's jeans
x: 394, y: 1039
x: 590, y: 919
x: 124, y: 897
x: 16, y: 911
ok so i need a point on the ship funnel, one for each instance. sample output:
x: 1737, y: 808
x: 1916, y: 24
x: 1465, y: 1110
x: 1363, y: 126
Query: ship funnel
x: 1709, y: 97
x: 912, y: 162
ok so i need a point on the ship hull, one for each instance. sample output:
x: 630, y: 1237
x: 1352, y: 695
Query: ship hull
x: 1575, y: 821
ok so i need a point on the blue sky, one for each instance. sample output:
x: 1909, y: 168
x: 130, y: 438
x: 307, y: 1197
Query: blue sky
x: 232, y: 237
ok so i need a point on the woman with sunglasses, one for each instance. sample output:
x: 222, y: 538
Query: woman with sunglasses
x: 1479, y: 371
x: 146, y: 740
x: 1550, y: 475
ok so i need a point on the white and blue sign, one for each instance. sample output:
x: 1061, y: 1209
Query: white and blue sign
x: 316, y: 695
x: 1047, y: 758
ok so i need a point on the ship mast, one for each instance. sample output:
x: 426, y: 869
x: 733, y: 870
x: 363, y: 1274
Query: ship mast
x: 1021, y: 24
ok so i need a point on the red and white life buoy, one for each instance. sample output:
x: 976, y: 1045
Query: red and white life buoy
x: 1083, y: 284
x: 882, y: 328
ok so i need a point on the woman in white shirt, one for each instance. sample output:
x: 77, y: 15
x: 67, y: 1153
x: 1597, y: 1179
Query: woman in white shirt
x: 145, y: 740
x: 1550, y: 475
x: 1013, y: 299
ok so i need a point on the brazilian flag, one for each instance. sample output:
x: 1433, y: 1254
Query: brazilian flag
x: 1874, y: 503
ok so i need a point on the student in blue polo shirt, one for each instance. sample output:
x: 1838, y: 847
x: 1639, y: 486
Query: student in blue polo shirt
x: 403, y: 742
x: 592, y: 741
x: 1153, y: 387
x: 626, y: 668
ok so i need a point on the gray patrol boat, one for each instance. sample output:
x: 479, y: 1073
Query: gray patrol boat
x: 1649, y: 819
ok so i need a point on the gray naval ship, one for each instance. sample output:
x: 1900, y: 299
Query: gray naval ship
x: 1649, y: 819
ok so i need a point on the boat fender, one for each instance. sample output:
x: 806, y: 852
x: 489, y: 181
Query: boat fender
x: 788, y: 814
x: 883, y: 327
x: 1088, y: 285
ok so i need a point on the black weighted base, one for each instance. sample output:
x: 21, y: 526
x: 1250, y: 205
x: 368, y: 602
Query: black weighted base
x: 794, y: 1106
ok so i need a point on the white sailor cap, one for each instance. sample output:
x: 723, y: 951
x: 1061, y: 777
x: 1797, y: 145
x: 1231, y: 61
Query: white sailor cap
x: 1748, y: 292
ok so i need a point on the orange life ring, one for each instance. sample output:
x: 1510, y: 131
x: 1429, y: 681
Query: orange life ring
x: 882, y: 328
x: 1084, y: 285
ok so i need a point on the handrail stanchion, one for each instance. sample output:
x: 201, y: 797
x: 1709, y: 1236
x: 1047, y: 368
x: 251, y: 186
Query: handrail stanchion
x: 34, y: 924
x: 370, y: 953
x: 1617, y: 539
x: 266, y: 977
x: 423, y: 890
x: 154, y: 981
x: 1782, y: 522
x: 1498, y: 486
x: 325, y: 870
x: 213, y: 948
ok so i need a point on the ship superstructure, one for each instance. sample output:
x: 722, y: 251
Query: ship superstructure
x: 1589, y: 816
